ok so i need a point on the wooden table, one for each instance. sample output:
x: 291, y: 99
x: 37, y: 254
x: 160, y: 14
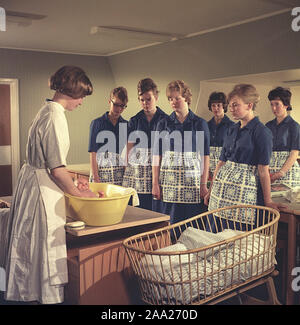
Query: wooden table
x: 291, y: 217
x: 99, y: 269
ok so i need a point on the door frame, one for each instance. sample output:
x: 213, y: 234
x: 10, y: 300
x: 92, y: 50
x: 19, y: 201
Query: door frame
x: 15, y: 127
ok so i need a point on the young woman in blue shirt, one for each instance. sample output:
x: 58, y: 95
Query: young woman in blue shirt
x: 107, y: 140
x: 181, y: 157
x: 242, y: 173
x: 138, y: 172
x: 218, y: 127
x: 284, y: 167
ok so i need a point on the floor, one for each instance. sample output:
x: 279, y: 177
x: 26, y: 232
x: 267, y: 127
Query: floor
x: 258, y: 292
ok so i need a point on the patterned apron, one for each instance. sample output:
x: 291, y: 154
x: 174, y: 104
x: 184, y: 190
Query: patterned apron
x: 292, y: 177
x: 138, y: 173
x: 214, y: 158
x: 110, y: 168
x: 180, y: 177
x: 234, y: 184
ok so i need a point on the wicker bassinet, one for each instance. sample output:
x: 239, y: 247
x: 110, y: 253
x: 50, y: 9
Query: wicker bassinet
x: 205, y: 257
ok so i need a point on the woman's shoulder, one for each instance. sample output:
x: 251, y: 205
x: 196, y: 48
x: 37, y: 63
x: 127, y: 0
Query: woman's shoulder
x: 228, y: 121
x: 292, y: 122
x: 262, y: 131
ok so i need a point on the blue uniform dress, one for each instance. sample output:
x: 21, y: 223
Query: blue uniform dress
x: 181, y: 164
x: 138, y: 173
x: 237, y: 182
x: 286, y: 137
x: 108, y: 141
x: 217, y: 135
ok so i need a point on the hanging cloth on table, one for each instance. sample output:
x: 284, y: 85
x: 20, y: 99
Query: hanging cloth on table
x: 292, y: 177
x: 180, y: 177
x: 138, y: 173
x: 235, y: 183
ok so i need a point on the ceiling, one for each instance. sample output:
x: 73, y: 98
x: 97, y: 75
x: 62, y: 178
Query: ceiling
x: 67, y: 25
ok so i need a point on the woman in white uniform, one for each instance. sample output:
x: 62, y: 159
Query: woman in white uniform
x: 36, y: 264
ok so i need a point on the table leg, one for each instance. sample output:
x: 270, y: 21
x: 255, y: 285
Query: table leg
x: 290, y: 294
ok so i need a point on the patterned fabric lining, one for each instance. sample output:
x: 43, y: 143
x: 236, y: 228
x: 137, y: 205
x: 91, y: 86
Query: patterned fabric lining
x: 180, y: 177
x: 138, y: 173
x: 214, y: 157
x: 235, y: 183
x: 110, y: 168
x: 292, y: 177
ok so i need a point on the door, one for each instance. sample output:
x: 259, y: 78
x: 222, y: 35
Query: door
x: 5, y: 142
x: 9, y: 135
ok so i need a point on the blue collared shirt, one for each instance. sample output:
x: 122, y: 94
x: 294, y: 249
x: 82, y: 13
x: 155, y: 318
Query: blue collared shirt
x: 251, y: 145
x: 139, y: 122
x: 219, y: 131
x: 103, y: 123
x: 286, y: 135
x: 190, y: 140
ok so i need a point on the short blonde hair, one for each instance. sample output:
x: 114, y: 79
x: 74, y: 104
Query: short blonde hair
x: 71, y: 81
x: 246, y: 92
x: 182, y: 88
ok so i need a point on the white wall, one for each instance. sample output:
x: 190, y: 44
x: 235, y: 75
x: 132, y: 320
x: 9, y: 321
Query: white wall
x: 263, y: 110
x: 295, y: 102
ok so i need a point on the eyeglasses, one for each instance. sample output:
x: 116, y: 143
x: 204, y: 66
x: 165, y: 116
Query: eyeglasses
x: 118, y: 105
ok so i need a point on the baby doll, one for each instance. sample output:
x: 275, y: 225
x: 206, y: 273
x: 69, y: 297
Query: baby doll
x: 83, y: 186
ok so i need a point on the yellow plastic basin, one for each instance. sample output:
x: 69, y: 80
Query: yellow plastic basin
x: 104, y: 211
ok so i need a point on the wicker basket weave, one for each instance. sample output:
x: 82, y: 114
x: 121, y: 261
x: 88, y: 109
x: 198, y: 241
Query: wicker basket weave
x: 171, y: 271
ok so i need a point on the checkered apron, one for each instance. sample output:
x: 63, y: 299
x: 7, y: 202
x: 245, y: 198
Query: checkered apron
x: 292, y: 177
x: 138, y: 173
x: 110, y: 168
x: 234, y: 184
x: 180, y: 177
x: 214, y: 157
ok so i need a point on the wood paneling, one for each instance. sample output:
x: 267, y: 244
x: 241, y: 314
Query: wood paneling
x: 5, y: 129
x: 5, y: 183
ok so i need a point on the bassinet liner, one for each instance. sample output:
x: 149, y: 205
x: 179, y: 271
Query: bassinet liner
x: 187, y: 263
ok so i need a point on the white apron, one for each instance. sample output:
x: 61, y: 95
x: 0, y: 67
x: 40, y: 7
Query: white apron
x: 234, y: 184
x: 110, y: 168
x: 292, y: 177
x: 214, y: 157
x: 180, y: 177
x: 138, y: 173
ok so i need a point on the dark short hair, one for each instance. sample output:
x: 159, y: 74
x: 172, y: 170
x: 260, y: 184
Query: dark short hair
x: 283, y: 94
x: 71, y: 81
x: 182, y: 88
x: 121, y: 93
x: 146, y: 85
x: 217, y: 97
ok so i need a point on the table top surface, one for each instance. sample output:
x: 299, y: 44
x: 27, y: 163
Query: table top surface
x: 133, y: 217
